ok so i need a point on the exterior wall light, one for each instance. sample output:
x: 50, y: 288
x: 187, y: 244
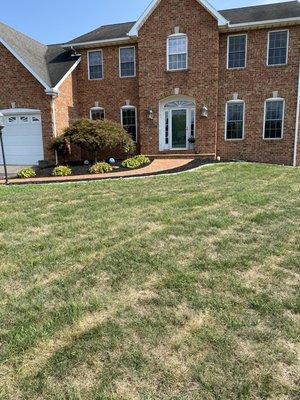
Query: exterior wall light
x: 150, y: 113
x: 204, y: 111
x: 2, y: 147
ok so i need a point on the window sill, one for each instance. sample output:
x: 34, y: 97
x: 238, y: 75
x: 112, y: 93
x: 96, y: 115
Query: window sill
x: 272, y: 139
x: 277, y: 65
x: 234, y: 140
x: 176, y: 70
x: 236, y: 69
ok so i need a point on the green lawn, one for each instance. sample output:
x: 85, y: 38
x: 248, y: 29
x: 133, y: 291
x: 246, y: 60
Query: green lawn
x: 178, y: 287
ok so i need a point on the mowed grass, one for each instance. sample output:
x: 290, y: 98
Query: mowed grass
x: 178, y: 287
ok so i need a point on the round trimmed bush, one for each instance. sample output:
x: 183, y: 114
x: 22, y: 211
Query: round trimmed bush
x: 100, y: 168
x: 61, y: 170
x: 136, y: 161
x: 26, y: 173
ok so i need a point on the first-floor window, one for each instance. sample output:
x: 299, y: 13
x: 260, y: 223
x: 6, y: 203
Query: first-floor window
x: 235, y: 111
x: 97, y: 113
x: 129, y: 121
x: 273, y: 124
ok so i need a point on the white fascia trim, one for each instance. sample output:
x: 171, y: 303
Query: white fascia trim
x: 96, y: 42
x: 13, y: 111
x: 263, y: 23
x: 143, y: 18
x: 67, y: 74
x: 37, y: 77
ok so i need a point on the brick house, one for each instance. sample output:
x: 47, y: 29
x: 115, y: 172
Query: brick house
x: 184, y: 79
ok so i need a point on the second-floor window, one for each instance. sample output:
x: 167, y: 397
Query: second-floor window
x: 95, y: 64
x: 127, y: 62
x: 177, y: 52
x: 236, y: 52
x: 278, y: 48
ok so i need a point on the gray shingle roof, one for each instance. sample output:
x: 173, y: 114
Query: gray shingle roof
x: 105, y: 32
x: 50, y: 63
x: 289, y: 9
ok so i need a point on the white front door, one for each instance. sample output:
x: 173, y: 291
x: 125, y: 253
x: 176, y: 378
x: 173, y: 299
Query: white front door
x: 22, y: 138
x: 177, y: 125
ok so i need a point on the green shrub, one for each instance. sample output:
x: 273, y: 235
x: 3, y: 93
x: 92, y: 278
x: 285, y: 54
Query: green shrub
x: 100, y: 168
x: 97, y: 136
x: 135, y: 161
x: 61, y: 171
x: 26, y: 173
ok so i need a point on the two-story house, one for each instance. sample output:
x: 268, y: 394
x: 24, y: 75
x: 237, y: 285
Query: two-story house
x: 183, y: 79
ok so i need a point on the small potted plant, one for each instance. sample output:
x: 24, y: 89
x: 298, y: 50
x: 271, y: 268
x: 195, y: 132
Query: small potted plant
x: 191, y: 141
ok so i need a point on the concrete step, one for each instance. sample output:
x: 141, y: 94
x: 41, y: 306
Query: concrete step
x: 182, y: 156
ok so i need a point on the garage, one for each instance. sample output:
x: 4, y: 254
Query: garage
x: 22, y: 137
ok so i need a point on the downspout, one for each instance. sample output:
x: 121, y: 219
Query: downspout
x: 297, y: 123
x: 54, y: 125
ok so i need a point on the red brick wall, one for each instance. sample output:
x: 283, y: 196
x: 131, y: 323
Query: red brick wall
x: 66, y: 104
x: 254, y: 85
x: 200, y: 81
x: 19, y: 86
x: 111, y: 92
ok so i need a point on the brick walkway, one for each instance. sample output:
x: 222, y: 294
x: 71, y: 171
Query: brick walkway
x: 156, y: 167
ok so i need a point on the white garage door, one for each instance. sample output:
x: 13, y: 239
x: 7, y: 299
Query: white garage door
x: 22, y: 137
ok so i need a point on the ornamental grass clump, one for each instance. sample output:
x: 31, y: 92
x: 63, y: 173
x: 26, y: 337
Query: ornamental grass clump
x: 26, y: 173
x: 61, y: 170
x: 100, y: 168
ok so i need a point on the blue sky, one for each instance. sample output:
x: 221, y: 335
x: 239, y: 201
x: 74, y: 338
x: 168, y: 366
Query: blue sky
x: 55, y: 21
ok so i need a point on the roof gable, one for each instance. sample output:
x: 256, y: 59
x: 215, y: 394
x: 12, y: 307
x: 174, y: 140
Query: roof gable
x: 205, y: 4
x: 48, y: 64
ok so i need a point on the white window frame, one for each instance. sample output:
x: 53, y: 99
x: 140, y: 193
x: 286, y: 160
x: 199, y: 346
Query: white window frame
x: 226, y: 120
x: 96, y: 109
x: 120, y: 69
x: 136, y: 125
x: 283, y: 117
x: 287, y: 47
x: 174, y: 36
x: 88, y: 63
x: 246, y: 51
